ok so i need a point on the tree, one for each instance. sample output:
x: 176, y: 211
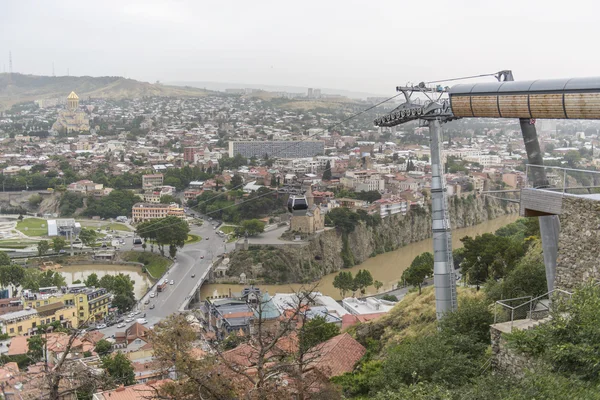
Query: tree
x: 4, y: 258
x: 572, y: 157
x: 168, y: 199
x: 317, y: 331
x: 51, y: 278
x: 344, y: 282
x: 378, y: 285
x: 92, y: 280
x: 327, y: 172
x: 59, y: 243
x: 36, y: 345
x: 169, y: 231
x: 370, y: 196
x: 119, y: 368
x: 236, y: 182
x: 251, y: 226
x: 363, y: 279
x: 43, y: 247
x: 88, y: 237
x: 420, y: 268
x: 103, y: 347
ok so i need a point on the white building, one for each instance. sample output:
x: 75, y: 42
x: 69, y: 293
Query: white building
x: 370, y: 306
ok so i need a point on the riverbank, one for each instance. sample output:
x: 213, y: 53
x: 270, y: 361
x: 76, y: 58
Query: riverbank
x: 333, y: 249
x: 386, y: 268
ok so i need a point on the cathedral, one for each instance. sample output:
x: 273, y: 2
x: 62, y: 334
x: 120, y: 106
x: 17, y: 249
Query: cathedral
x: 72, y: 119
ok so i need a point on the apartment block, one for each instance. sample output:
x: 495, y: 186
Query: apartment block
x: 278, y: 149
x: 151, y: 181
x: 148, y: 211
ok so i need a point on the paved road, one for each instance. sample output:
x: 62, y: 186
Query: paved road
x: 189, y: 261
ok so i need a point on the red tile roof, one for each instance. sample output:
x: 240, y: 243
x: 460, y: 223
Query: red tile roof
x: 349, y: 319
x: 338, y: 355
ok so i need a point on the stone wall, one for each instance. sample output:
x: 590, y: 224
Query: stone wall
x: 506, y: 359
x: 578, y: 243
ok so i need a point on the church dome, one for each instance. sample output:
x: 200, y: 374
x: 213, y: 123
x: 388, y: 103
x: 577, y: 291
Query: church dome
x: 72, y: 96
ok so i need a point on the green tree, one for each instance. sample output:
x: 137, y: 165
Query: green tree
x: 236, y: 182
x: 103, y: 347
x: 169, y: 231
x: 168, y: 199
x: 252, y: 226
x: 59, y: 243
x: 572, y: 157
x: 327, y: 172
x: 35, y: 348
x: 119, y: 368
x: 316, y: 331
x: 4, y: 258
x: 51, y: 278
x: 420, y: 268
x: 370, y: 196
x: 363, y: 279
x: 11, y: 275
x: 88, y: 237
x: 43, y: 247
x: 489, y: 256
x: 344, y: 282
x: 378, y: 285
x: 92, y: 280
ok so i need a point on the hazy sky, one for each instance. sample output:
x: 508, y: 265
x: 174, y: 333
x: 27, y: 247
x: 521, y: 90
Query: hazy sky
x: 358, y: 45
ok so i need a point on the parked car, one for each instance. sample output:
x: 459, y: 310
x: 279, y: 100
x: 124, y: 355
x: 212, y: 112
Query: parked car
x: 172, y: 282
x: 101, y: 326
x: 152, y: 294
x: 152, y: 307
x: 121, y: 325
x: 147, y: 301
x: 193, y: 275
x: 142, y: 321
x: 128, y: 320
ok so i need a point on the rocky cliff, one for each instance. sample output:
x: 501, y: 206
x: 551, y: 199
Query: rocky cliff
x: 331, y: 250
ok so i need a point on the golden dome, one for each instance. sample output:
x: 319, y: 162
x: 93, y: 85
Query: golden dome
x: 72, y: 96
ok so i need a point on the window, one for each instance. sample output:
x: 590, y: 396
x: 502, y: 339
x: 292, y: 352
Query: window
x: 53, y: 319
x: 47, y: 320
x: 37, y: 303
x: 81, y: 314
x: 81, y: 299
x: 33, y: 324
x: 20, y: 329
x: 61, y: 317
x: 12, y: 330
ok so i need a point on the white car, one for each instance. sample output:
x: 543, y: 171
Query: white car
x: 142, y: 321
x: 128, y: 320
x: 152, y: 294
x: 101, y: 326
x: 172, y: 282
x: 121, y: 325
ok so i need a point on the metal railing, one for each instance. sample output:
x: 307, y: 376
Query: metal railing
x: 529, y: 307
x: 559, y: 179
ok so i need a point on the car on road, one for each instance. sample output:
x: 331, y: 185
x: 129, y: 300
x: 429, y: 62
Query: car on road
x: 131, y: 314
x: 152, y: 307
x: 172, y: 282
x: 193, y: 275
x: 121, y: 325
x: 142, y: 321
x: 101, y: 326
x: 147, y: 301
x: 129, y: 320
x: 137, y: 312
x: 206, y: 238
x: 152, y: 294
x: 202, y: 257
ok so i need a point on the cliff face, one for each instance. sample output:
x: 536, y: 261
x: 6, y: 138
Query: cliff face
x: 331, y: 251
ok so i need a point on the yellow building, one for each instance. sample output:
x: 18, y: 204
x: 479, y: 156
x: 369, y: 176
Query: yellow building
x: 147, y: 211
x: 72, y: 119
x: 26, y: 322
x: 89, y: 304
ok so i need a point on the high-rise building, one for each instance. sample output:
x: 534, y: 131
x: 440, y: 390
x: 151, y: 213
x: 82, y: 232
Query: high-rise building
x: 310, y: 93
x: 190, y: 152
x: 277, y: 149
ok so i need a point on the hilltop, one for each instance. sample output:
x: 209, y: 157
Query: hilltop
x: 17, y: 88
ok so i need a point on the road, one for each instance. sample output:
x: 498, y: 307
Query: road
x: 189, y: 261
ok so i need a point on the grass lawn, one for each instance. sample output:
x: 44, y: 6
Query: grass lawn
x: 154, y: 263
x: 33, y: 226
x: 227, y: 229
x: 89, y: 223
x: 192, y: 239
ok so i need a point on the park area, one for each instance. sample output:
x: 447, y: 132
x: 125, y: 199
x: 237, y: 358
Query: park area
x: 155, y: 264
x: 33, y: 226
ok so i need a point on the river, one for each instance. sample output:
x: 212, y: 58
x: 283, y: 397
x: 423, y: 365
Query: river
x: 81, y: 272
x: 387, y: 267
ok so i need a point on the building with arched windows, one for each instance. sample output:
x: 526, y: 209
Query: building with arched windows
x: 71, y: 119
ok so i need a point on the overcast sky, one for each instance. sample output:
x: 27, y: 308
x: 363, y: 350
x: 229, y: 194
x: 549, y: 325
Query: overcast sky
x: 364, y: 45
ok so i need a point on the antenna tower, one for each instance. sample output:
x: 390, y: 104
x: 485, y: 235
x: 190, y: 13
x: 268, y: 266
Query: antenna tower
x: 10, y: 62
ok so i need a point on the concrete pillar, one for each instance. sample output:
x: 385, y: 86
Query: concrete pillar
x: 549, y: 225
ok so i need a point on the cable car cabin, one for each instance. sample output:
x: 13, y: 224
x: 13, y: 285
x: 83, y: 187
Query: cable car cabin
x: 297, y: 205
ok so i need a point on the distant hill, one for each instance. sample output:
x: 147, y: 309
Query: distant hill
x: 17, y: 88
x: 221, y: 86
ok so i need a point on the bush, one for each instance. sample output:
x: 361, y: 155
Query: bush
x: 389, y: 297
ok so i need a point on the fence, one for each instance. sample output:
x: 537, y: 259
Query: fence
x: 530, y: 307
x: 566, y: 180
